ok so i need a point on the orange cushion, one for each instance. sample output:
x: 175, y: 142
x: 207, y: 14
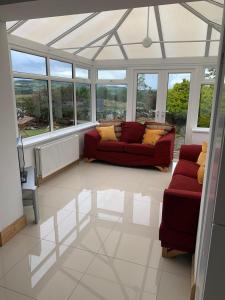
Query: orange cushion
x: 107, y: 133
x: 201, y: 172
x: 152, y: 136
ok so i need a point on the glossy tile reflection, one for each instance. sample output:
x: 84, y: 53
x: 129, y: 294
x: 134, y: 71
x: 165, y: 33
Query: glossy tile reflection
x: 97, y: 239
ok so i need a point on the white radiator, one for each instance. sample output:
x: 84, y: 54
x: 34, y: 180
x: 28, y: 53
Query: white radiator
x: 56, y: 155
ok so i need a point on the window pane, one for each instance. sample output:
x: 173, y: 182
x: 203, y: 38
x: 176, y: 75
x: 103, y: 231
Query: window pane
x: 32, y: 106
x: 146, y: 96
x: 60, y: 69
x: 82, y: 73
x: 210, y: 73
x: 205, y: 105
x: 111, y: 102
x: 62, y: 104
x: 177, y: 104
x: 83, y: 102
x: 28, y: 63
x: 112, y: 74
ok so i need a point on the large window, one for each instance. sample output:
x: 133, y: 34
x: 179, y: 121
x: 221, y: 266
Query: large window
x: 112, y: 74
x: 146, y: 96
x: 111, y: 101
x: 32, y: 106
x: 62, y: 104
x: 82, y: 73
x: 28, y: 63
x: 60, y: 69
x: 83, y: 102
x: 205, y: 105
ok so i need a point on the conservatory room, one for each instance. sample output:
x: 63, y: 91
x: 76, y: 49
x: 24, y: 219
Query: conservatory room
x: 105, y: 125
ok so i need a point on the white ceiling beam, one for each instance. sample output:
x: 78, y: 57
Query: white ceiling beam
x: 215, y: 3
x: 120, y: 45
x: 117, y: 26
x: 51, y: 8
x: 88, y: 45
x: 202, y: 17
x: 61, y: 36
x: 208, y: 38
x: 159, y: 26
x: 136, y: 43
x: 16, y: 26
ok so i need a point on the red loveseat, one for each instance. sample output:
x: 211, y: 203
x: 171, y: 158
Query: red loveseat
x: 181, y: 205
x: 129, y: 150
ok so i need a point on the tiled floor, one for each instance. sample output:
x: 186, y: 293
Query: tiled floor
x: 97, y: 239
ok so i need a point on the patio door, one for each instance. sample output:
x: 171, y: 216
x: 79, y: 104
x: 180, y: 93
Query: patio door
x: 163, y: 96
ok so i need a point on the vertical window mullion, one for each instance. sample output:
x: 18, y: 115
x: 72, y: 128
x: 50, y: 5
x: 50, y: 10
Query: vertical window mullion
x: 50, y: 95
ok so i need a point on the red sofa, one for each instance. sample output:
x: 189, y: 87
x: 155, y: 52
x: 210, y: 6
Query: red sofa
x: 129, y: 151
x: 181, y: 204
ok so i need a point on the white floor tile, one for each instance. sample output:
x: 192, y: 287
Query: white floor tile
x: 6, y: 294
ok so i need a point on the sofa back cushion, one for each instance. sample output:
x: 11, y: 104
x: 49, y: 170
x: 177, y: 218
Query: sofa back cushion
x: 155, y: 125
x: 107, y: 133
x: 116, y: 124
x: 132, y: 132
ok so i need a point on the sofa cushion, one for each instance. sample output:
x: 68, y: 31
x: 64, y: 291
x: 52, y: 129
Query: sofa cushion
x: 111, y: 146
x: 132, y: 132
x: 140, y: 149
x: 186, y: 168
x: 181, y: 182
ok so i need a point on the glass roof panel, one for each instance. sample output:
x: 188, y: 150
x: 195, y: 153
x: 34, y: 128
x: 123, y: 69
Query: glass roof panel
x: 99, y: 25
x: 179, y: 24
x: 210, y: 11
x: 214, y: 48
x: 185, y: 49
x: 138, y: 51
x: 215, y: 35
x: 137, y: 20
x: 46, y: 29
x: 112, y: 52
x: 90, y: 52
x: 10, y: 24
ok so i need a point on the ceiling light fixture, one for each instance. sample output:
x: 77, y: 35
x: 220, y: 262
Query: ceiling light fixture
x: 147, y: 41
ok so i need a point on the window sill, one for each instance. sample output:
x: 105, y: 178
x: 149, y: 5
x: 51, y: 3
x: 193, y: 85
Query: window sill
x: 200, y: 130
x: 46, y: 137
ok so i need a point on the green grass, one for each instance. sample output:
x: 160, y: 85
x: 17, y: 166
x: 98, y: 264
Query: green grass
x: 32, y: 132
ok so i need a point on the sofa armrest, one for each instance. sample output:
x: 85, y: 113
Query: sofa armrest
x: 190, y: 152
x: 91, y: 140
x: 165, y: 146
x: 181, y: 210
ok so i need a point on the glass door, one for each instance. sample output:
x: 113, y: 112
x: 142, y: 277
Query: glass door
x: 178, y: 91
x: 146, y: 96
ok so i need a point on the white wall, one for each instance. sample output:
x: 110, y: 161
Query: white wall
x: 198, y: 137
x: 10, y: 189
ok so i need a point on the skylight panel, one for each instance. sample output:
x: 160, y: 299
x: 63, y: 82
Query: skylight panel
x: 185, y: 49
x: 46, y: 29
x: 110, y: 52
x: 137, y: 20
x: 210, y: 11
x: 179, y: 24
x: 97, y: 26
x: 214, y: 48
x: 138, y: 51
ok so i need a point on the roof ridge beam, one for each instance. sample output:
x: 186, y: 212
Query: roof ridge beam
x: 208, y: 38
x: 84, y: 21
x: 159, y: 26
x: 120, y: 45
x: 16, y: 26
x: 202, y: 17
x: 116, y: 27
x: 92, y: 42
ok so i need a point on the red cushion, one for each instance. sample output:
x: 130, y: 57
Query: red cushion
x: 139, y: 149
x: 186, y: 168
x: 181, y: 182
x: 111, y: 146
x: 132, y: 132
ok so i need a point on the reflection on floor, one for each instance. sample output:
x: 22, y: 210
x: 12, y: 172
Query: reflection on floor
x: 97, y: 239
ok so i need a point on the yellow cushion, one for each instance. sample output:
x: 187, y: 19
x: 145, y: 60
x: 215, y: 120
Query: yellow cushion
x: 152, y: 136
x: 200, y: 175
x: 202, y: 156
x: 107, y: 133
x: 204, y: 147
